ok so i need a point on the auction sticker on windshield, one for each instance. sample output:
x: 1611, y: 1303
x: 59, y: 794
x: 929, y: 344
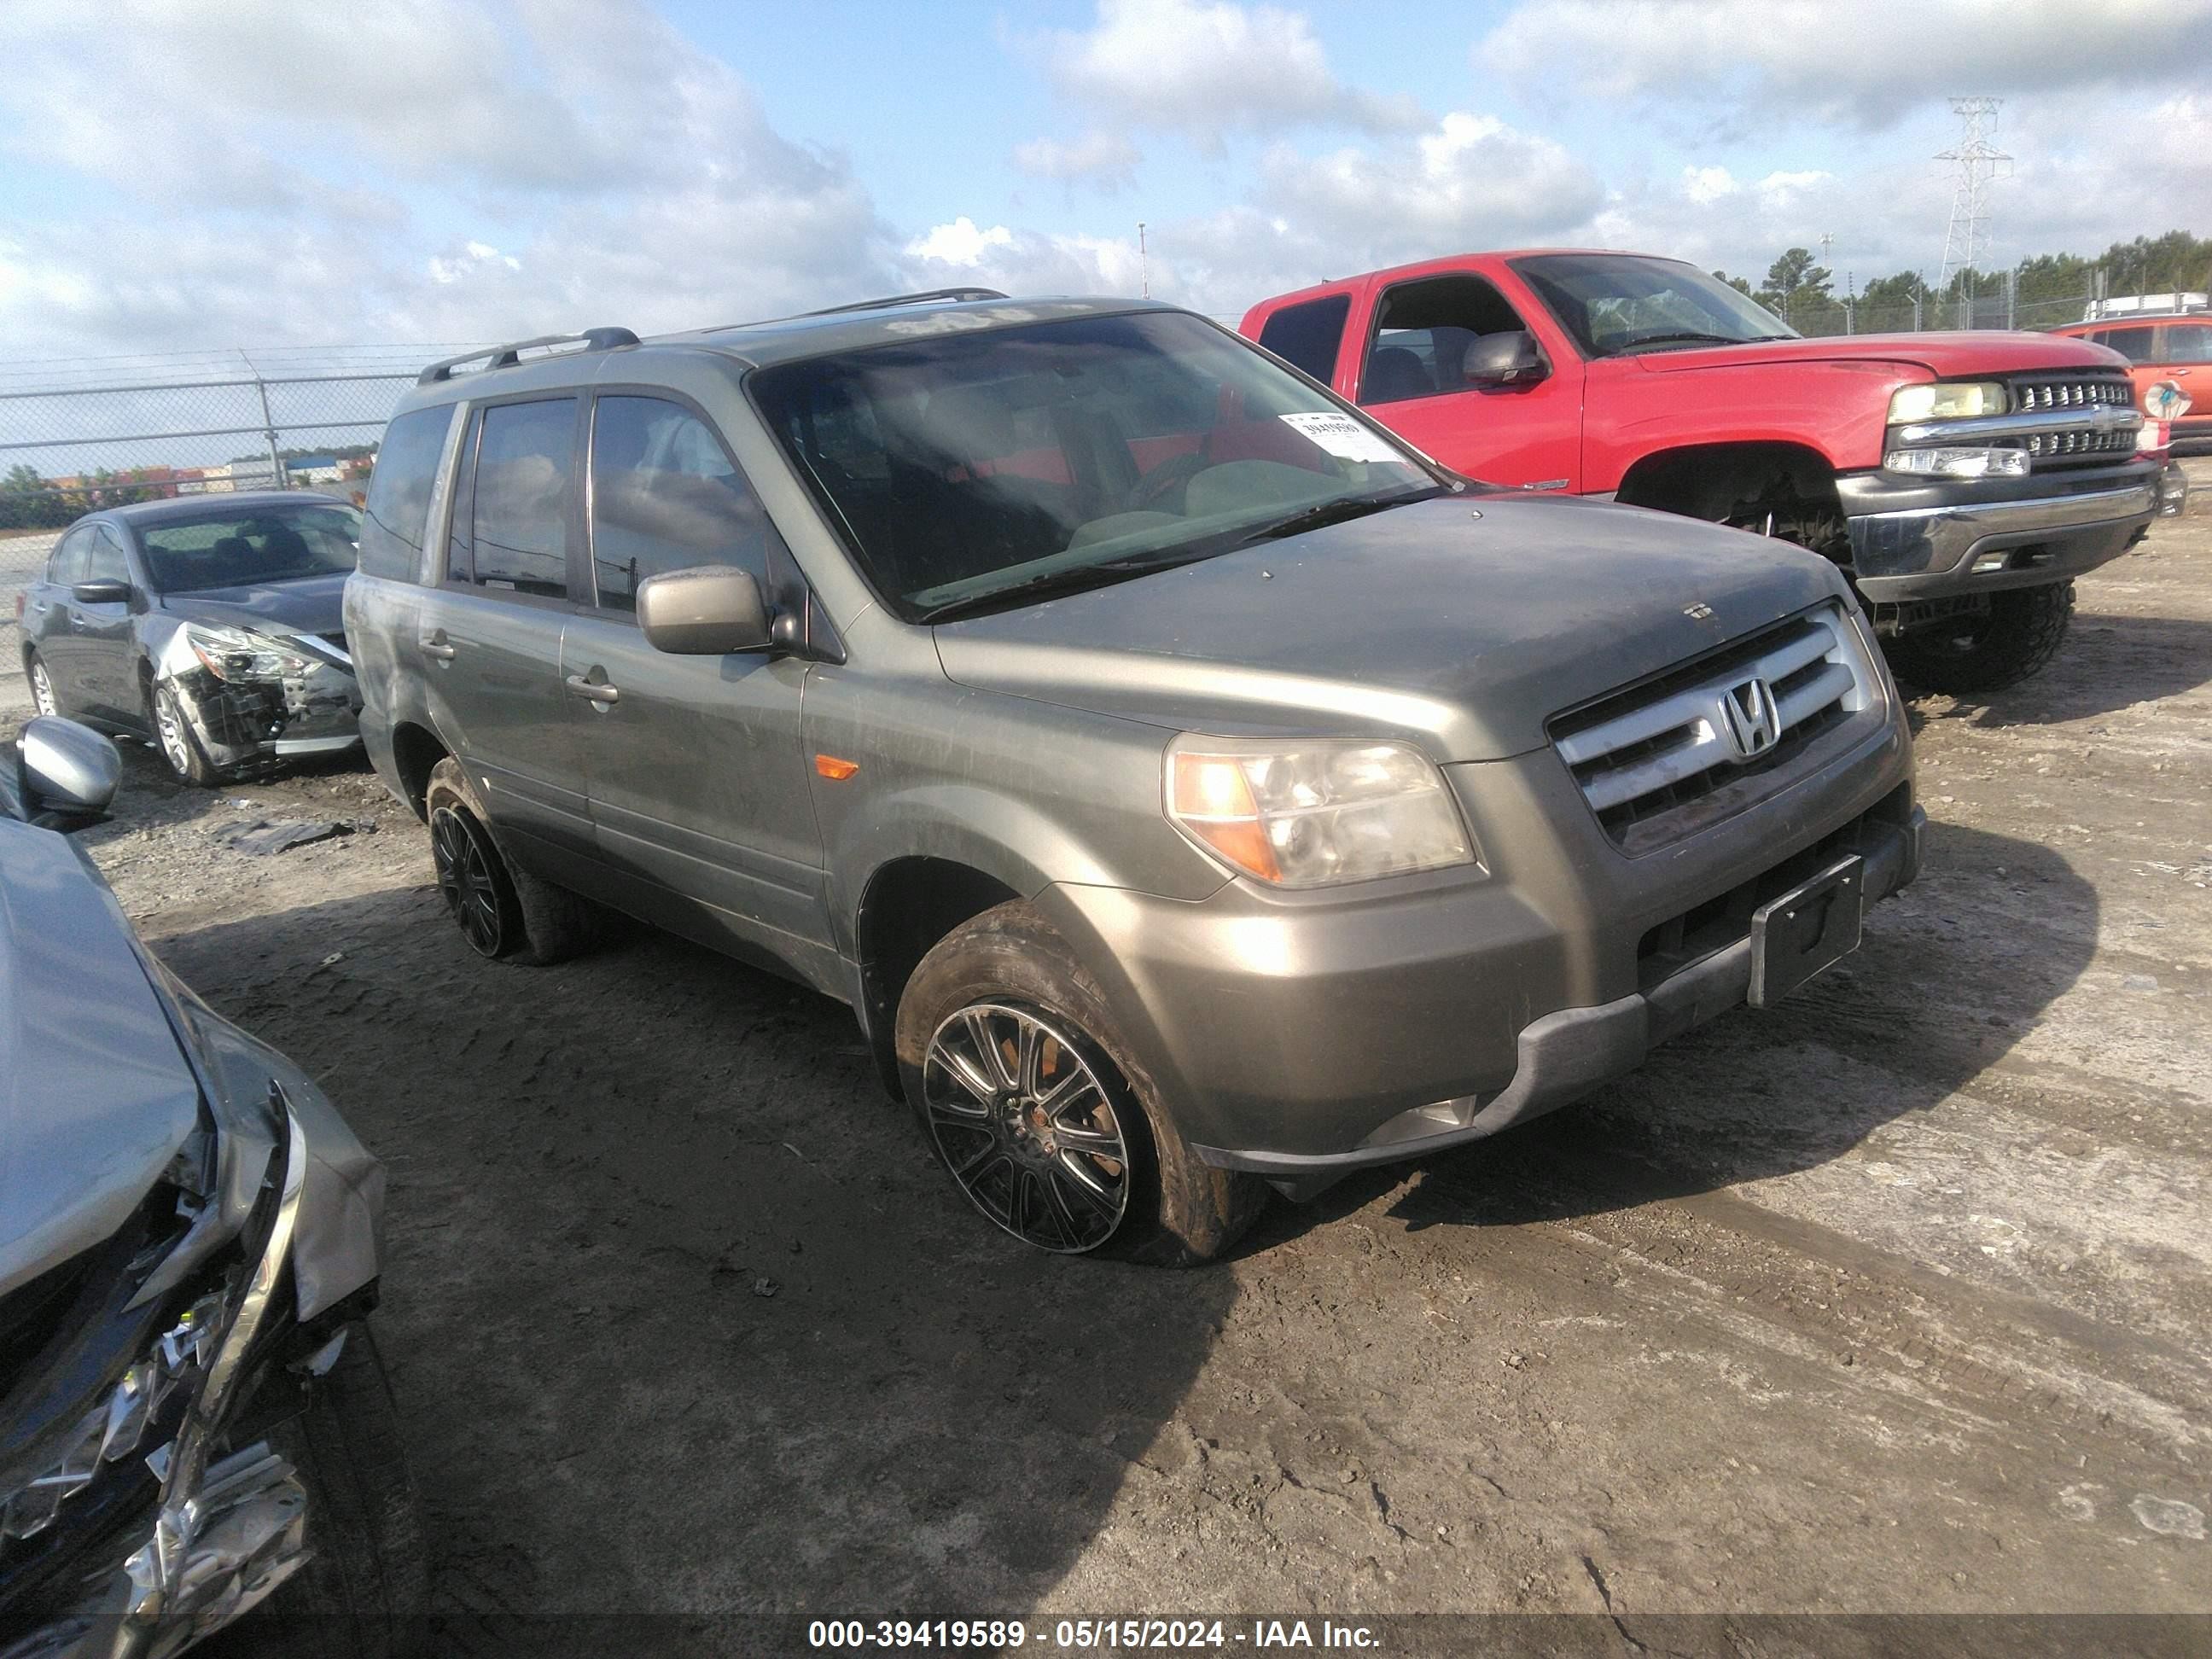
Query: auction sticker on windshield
x: 1341, y: 436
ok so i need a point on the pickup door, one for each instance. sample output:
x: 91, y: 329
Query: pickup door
x: 1402, y: 357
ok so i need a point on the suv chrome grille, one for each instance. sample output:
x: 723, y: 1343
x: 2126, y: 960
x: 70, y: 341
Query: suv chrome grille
x: 1641, y: 755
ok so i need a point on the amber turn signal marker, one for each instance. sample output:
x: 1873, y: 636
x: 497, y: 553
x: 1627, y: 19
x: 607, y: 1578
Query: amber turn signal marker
x: 1213, y: 801
x: 835, y: 769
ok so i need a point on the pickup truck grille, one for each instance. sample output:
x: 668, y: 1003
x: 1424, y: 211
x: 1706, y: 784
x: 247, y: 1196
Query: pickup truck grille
x: 1646, y: 755
x: 2083, y: 442
x: 2072, y: 392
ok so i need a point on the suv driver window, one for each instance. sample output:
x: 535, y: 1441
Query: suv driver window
x: 519, y: 522
x: 2188, y: 343
x: 666, y: 496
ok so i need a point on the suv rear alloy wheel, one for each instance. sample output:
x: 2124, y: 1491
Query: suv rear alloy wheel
x: 1013, y: 1066
x: 501, y: 911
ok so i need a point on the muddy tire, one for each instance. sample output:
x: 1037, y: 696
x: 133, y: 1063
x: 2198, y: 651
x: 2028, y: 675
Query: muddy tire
x: 180, y: 745
x: 1024, y: 1087
x: 364, y: 1592
x: 1988, y: 650
x: 504, y: 913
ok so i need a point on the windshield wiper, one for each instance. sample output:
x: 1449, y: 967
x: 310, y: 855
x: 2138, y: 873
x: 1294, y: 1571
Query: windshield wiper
x: 1050, y: 583
x: 1324, y: 513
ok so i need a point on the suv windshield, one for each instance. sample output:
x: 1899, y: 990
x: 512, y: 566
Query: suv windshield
x: 1620, y: 302
x: 234, y: 549
x: 970, y: 470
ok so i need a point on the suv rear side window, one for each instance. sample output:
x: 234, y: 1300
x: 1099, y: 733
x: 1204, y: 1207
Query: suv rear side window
x: 2137, y: 345
x: 399, y: 506
x: 1422, y: 334
x: 1308, y: 336
x: 519, y: 519
x: 665, y: 495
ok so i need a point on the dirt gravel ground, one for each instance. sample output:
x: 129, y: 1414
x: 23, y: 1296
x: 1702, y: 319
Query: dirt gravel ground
x: 1894, y: 1299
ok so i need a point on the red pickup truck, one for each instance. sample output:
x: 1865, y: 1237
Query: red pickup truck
x: 1964, y: 480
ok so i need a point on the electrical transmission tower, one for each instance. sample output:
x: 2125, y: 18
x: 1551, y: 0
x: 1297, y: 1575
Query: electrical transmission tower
x: 1979, y: 163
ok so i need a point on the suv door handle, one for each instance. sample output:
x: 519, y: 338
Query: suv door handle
x: 599, y: 691
x: 434, y: 645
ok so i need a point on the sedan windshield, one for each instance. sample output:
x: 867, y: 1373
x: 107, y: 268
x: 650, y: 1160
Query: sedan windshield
x: 1613, y: 303
x: 970, y: 470
x: 235, y: 550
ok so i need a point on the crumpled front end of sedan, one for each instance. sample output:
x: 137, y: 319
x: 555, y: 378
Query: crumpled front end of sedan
x: 155, y: 1334
x: 251, y: 698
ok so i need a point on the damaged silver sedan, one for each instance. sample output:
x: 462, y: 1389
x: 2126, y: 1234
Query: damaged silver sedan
x: 192, y: 1413
x: 208, y: 626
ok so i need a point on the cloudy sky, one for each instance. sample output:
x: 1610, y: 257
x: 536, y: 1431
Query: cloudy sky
x: 178, y: 176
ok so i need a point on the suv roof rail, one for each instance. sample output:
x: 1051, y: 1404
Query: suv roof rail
x: 927, y: 296
x: 507, y: 356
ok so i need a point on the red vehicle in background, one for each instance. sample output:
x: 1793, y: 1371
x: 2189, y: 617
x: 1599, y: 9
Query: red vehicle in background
x: 1964, y: 480
x: 2169, y: 342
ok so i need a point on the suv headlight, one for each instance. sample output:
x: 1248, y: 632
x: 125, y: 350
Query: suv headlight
x: 1315, y: 814
x: 1956, y: 400
x: 240, y: 654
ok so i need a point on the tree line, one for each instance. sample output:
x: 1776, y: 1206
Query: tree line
x: 2044, y: 292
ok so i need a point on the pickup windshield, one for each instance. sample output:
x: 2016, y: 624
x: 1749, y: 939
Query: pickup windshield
x: 1617, y: 303
x: 970, y: 470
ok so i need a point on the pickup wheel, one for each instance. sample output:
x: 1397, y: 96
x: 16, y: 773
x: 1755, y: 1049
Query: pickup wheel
x: 1986, y: 650
x: 1020, y: 1080
x: 501, y: 911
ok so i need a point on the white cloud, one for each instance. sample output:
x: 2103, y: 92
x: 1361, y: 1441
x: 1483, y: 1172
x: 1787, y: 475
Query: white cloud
x: 1205, y: 70
x: 1106, y: 159
x: 1707, y: 185
x: 1865, y: 62
x: 959, y: 243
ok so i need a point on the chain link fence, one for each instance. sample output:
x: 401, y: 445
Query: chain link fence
x: 79, y: 436
x: 2000, y: 307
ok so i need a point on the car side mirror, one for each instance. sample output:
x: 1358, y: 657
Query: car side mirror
x: 102, y: 590
x: 706, y: 611
x: 1509, y: 358
x: 68, y: 773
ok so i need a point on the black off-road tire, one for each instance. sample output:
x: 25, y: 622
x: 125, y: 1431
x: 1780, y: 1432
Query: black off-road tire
x: 2021, y: 631
x: 539, y: 924
x: 364, y: 1593
x: 1180, y: 1211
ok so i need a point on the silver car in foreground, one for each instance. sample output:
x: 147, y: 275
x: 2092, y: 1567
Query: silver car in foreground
x: 188, y: 1247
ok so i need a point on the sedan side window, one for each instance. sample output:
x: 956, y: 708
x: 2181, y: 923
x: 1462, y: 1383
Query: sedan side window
x: 107, y: 563
x: 665, y: 495
x: 519, y: 523
x: 66, y: 566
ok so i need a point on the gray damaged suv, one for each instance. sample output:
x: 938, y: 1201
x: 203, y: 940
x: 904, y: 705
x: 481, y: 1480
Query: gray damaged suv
x: 1189, y: 786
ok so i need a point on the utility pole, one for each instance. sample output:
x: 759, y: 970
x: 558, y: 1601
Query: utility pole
x: 1978, y: 163
x: 1144, y: 263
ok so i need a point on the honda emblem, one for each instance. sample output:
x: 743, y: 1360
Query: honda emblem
x: 1754, y: 723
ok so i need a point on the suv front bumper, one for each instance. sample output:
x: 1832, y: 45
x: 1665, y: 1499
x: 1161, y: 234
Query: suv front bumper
x: 1299, y: 1036
x: 1921, y: 539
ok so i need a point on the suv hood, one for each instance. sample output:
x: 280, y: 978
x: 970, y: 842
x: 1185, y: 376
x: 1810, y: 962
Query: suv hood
x: 95, y: 1096
x: 1464, y: 623
x: 312, y: 605
x: 1946, y: 355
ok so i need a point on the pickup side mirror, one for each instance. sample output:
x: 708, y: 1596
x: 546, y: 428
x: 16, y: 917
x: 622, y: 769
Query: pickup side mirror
x: 706, y: 611
x: 102, y: 590
x: 1509, y: 358
x: 68, y: 773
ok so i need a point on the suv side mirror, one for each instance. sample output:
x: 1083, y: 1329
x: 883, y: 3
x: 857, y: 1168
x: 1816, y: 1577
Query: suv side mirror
x: 705, y: 611
x: 1506, y: 359
x: 68, y: 772
x: 102, y: 590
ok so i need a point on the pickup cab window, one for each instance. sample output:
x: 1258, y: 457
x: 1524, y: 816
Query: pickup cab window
x: 1422, y: 332
x: 973, y: 470
x: 1307, y: 337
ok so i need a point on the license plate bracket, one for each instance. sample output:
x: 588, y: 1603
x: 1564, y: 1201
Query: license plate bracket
x: 1810, y: 928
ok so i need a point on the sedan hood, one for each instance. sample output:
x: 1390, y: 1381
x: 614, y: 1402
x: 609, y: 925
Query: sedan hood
x: 313, y: 605
x: 1946, y: 355
x: 95, y: 1096
x: 1464, y: 623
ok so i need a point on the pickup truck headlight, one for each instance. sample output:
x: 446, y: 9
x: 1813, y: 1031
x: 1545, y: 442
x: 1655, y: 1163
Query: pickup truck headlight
x: 1315, y: 814
x: 1959, y: 463
x: 240, y: 654
x: 1958, y: 400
